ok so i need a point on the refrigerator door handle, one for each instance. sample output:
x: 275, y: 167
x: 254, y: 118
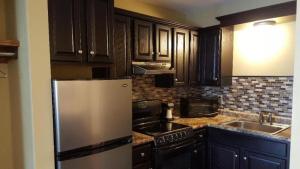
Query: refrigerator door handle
x: 93, y: 149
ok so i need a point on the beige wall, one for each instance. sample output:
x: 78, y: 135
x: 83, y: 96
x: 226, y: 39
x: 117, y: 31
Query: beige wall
x: 295, y: 147
x: 5, y: 123
x: 2, y: 20
x: 206, y: 16
x: 264, y: 51
x: 149, y: 9
x: 30, y: 88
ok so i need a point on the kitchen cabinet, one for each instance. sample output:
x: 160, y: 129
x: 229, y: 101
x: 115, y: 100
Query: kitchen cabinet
x: 122, y: 46
x: 256, y: 161
x: 210, y: 56
x: 163, y: 43
x: 194, y: 62
x: 223, y: 157
x: 81, y: 31
x: 216, y: 56
x: 181, y: 56
x: 199, y: 158
x: 143, y: 40
x: 229, y: 150
x: 142, y: 156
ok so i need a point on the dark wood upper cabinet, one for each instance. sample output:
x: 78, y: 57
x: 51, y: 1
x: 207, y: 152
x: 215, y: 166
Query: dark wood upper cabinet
x: 181, y: 56
x: 122, y: 49
x: 65, y: 30
x: 194, y: 78
x: 210, y: 56
x: 143, y: 40
x: 100, y: 30
x: 81, y: 31
x: 163, y: 43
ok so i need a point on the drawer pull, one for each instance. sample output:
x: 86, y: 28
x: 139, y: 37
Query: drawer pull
x: 245, y: 158
x: 195, y: 151
x: 142, y: 154
x: 236, y: 156
x: 201, y: 136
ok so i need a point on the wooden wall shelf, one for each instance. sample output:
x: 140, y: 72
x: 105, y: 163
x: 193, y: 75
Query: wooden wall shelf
x: 8, y: 50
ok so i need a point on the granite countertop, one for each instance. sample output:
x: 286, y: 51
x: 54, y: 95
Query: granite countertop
x: 196, y: 123
x: 139, y: 138
x: 216, y: 122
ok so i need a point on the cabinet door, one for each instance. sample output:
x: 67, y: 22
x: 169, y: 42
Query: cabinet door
x: 143, y: 43
x: 199, y: 156
x: 194, y: 59
x: 65, y: 30
x: 181, y: 56
x: 122, y: 49
x: 163, y: 43
x: 100, y: 30
x: 223, y: 157
x: 258, y: 161
x: 210, y: 57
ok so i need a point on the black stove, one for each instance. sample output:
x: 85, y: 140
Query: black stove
x: 147, y: 120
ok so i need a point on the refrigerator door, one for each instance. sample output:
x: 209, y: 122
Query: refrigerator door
x: 119, y: 158
x: 91, y: 112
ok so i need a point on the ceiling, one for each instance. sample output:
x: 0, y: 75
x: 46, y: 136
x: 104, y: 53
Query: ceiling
x: 184, y: 4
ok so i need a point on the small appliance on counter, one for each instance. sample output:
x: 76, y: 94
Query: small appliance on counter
x: 167, y: 111
x: 172, y: 141
x: 193, y: 107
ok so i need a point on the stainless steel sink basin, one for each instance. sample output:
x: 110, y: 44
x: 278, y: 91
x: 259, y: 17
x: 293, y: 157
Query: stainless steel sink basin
x: 272, y: 129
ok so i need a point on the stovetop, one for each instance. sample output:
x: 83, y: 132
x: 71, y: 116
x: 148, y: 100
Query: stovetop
x: 159, y: 128
x: 165, y: 133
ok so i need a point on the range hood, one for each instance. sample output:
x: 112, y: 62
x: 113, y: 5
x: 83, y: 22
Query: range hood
x: 152, y: 68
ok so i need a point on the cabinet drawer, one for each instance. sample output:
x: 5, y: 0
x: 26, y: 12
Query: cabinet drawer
x: 254, y: 143
x: 141, y: 154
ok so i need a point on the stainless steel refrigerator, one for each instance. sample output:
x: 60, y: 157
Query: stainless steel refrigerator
x: 93, y: 124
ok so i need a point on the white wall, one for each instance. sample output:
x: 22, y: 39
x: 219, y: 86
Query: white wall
x: 30, y: 88
x: 295, y: 147
x: 263, y: 51
x: 206, y: 16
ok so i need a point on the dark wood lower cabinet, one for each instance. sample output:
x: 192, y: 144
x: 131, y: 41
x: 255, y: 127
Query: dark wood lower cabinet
x: 199, y: 156
x: 223, y: 157
x: 259, y: 161
x: 142, y: 156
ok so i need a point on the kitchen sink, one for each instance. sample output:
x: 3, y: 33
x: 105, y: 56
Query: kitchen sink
x: 271, y: 129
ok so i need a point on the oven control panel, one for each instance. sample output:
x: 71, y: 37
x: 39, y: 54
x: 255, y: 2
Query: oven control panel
x: 173, y: 137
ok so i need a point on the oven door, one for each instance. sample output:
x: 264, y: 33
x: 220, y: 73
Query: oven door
x: 175, y: 156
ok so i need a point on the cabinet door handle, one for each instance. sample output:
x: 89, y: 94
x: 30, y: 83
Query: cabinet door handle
x: 215, y: 79
x: 152, y: 53
x: 245, y: 158
x: 142, y: 154
x: 236, y: 156
x: 195, y: 151
x: 92, y: 52
x: 201, y: 136
x: 80, y: 51
x: 176, y: 80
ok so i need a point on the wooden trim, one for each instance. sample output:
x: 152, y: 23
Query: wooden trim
x: 8, y: 50
x: 10, y: 43
x: 154, y: 19
x: 274, y: 11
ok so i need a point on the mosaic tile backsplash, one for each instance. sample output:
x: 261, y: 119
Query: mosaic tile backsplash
x: 247, y: 94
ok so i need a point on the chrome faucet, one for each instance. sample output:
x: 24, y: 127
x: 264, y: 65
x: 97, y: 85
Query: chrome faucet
x: 270, y: 118
x: 261, y: 118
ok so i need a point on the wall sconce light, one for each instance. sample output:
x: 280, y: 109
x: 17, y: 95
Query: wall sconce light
x: 265, y: 23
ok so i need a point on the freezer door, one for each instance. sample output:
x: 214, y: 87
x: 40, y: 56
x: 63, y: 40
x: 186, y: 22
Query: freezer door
x: 91, y: 112
x: 119, y: 158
